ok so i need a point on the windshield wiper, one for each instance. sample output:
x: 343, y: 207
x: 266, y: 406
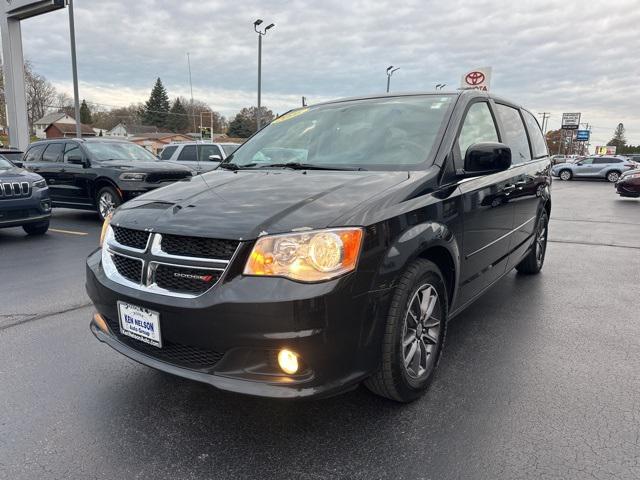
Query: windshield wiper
x: 309, y: 166
x: 234, y: 167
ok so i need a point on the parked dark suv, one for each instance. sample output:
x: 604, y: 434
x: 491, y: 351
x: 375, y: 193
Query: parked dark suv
x: 304, y: 277
x: 98, y: 174
x: 24, y: 199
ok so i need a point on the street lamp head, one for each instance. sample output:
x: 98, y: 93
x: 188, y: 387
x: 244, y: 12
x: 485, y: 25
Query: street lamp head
x: 270, y: 26
x: 389, y: 68
x: 257, y: 22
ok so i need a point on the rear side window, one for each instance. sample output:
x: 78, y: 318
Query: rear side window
x: 188, y: 153
x: 514, y: 133
x: 72, y: 149
x: 53, y: 152
x: 538, y: 143
x: 167, y: 152
x: 478, y: 127
x: 34, y: 154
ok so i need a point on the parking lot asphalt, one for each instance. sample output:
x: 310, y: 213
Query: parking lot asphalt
x: 540, y: 378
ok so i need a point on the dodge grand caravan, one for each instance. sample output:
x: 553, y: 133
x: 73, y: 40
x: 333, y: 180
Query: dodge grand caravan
x: 330, y: 249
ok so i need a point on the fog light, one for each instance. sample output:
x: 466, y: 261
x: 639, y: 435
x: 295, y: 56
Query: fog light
x: 102, y: 325
x: 288, y: 361
x: 46, y: 206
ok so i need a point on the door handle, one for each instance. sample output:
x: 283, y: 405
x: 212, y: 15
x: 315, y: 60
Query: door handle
x: 509, y: 188
x: 521, y: 184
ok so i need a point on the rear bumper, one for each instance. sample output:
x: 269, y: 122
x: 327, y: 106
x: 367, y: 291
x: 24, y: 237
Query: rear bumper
x: 247, y: 320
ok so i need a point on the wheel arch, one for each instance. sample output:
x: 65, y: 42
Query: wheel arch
x: 102, y: 182
x: 432, y: 241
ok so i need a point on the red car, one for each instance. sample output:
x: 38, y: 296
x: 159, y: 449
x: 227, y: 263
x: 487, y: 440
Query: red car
x: 628, y: 185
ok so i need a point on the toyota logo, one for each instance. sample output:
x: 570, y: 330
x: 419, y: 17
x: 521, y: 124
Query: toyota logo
x: 474, y: 78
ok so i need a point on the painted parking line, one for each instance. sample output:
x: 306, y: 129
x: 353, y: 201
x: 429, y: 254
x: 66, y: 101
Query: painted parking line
x: 68, y: 232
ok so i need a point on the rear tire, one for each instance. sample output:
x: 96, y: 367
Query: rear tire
x: 533, y: 262
x: 613, y: 177
x: 107, y: 200
x: 414, y: 334
x: 39, y: 228
x: 565, y: 175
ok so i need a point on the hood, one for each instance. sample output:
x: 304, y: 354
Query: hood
x: 18, y: 174
x: 151, y: 166
x: 564, y: 164
x: 246, y: 204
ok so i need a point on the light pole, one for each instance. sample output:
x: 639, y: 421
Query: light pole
x: 390, y: 71
x: 260, y: 33
x: 74, y: 70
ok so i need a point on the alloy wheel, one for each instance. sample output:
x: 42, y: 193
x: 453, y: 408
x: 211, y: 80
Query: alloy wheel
x: 106, y: 204
x: 421, y: 332
x: 613, y: 177
x: 565, y: 175
x: 541, y: 240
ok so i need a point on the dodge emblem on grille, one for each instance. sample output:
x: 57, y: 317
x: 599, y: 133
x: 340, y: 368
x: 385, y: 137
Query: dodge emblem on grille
x: 202, y: 278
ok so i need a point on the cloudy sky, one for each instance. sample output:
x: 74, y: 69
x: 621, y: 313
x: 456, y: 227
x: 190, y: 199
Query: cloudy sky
x: 550, y: 56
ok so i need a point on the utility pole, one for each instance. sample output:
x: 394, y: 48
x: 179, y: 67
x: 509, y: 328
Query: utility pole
x: 74, y: 69
x: 545, y: 121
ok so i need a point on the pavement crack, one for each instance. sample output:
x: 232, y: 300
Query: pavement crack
x: 31, y: 317
x: 573, y: 242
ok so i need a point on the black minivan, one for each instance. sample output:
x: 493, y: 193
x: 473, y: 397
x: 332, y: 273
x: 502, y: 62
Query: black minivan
x: 330, y: 249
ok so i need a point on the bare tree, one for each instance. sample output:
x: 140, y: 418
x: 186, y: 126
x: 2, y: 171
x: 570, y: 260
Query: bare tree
x: 196, y: 108
x: 41, y: 95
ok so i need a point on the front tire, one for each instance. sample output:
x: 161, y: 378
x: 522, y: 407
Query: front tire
x: 565, y: 175
x: 414, y: 334
x: 613, y: 177
x: 533, y: 262
x: 39, y: 228
x: 107, y: 200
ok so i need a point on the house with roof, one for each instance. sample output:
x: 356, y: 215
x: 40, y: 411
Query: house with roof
x: 155, y: 142
x: 122, y: 130
x: 67, y: 130
x: 58, y: 117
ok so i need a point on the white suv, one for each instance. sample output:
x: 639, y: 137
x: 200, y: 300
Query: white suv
x: 200, y: 156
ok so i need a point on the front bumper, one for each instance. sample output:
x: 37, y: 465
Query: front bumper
x: 23, y: 211
x: 628, y: 188
x: 336, y: 332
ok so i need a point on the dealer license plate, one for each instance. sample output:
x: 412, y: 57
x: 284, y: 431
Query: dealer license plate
x: 140, y: 323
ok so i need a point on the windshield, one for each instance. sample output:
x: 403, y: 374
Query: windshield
x: 119, y: 151
x: 383, y: 133
x: 5, y: 164
x: 229, y: 148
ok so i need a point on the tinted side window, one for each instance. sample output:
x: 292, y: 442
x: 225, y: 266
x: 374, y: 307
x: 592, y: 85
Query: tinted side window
x: 478, y: 127
x: 34, y: 154
x: 167, y: 152
x: 72, y: 149
x: 207, y: 150
x: 538, y: 143
x: 587, y: 161
x: 188, y: 153
x: 515, y: 134
x: 53, y: 152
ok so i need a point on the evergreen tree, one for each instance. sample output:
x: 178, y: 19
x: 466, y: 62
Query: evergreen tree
x: 245, y: 123
x: 85, y: 114
x: 156, y: 110
x: 178, y: 120
x: 619, y: 140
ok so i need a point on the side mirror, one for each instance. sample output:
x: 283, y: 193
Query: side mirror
x: 215, y: 158
x: 486, y: 158
x: 18, y: 163
x: 77, y: 160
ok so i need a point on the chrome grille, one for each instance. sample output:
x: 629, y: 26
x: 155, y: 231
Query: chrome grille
x: 131, y: 238
x: 199, y: 247
x: 138, y: 259
x: 11, y: 190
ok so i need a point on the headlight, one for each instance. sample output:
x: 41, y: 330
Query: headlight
x: 40, y: 183
x: 105, y: 228
x: 133, y: 177
x: 312, y: 256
